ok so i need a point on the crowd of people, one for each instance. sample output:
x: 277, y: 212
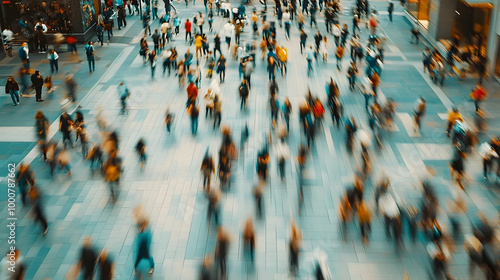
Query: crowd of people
x: 424, y: 222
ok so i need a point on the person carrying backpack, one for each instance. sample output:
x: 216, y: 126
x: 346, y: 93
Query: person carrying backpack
x: 89, y: 51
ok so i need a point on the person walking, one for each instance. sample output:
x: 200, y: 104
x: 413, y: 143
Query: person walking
x: 343, y: 35
x: 71, y: 85
x: 152, y: 58
x: 222, y: 250
x: 87, y: 260
x: 338, y: 55
x: 121, y: 17
x: 364, y: 216
x: 294, y: 247
x: 249, y: 239
x: 310, y: 57
x: 282, y: 154
x: 207, y: 169
x: 24, y: 55
x: 156, y: 40
x: 42, y: 129
x: 419, y: 113
x: 221, y: 68
x: 217, y: 111
x: 146, y: 22
x: 194, y: 113
x: 106, y: 265
x: 89, y: 51
x: 124, y: 93
x: 192, y: 94
x: 37, y: 81
x: 143, y: 247
x: 12, y: 88
x: 187, y: 27
x: 38, y: 212
x: 65, y: 126
x: 229, y: 30
x: 25, y: 178
x: 100, y: 33
x: 288, y: 23
x: 53, y: 58
x: 154, y: 9
x: 352, y: 73
x: 217, y: 46
x: 140, y: 148
x: 390, y: 9
x: 303, y: 38
x: 478, y: 94
x: 244, y: 93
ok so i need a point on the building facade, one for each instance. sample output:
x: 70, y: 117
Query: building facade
x: 75, y: 17
x: 474, y: 24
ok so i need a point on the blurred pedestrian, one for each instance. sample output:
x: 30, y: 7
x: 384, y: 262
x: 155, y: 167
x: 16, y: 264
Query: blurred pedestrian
x: 38, y: 211
x: 207, y: 169
x: 24, y: 55
x: 294, y: 247
x: 213, y: 206
x: 25, y: 178
x: 124, y: 93
x: 66, y: 126
x: 222, y: 250
x: 152, y: 58
x: 87, y: 261
x: 194, y: 113
x: 140, y: 148
x: 143, y: 247
x: 106, y: 266
x: 249, y: 239
x: 282, y: 154
x: 419, y: 113
x: 364, y: 216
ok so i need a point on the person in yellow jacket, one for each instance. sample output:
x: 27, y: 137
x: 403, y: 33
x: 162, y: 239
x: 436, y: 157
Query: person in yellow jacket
x: 282, y: 54
x: 453, y: 116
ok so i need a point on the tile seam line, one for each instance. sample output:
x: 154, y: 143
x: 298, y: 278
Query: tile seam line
x: 118, y: 62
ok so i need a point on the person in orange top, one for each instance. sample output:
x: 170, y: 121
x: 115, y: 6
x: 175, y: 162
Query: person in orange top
x: 375, y: 82
x: 339, y: 54
x: 453, y: 116
x: 192, y: 93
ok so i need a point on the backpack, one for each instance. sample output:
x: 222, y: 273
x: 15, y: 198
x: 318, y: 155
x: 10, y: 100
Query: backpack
x: 112, y: 173
x: 89, y: 50
x: 22, y: 53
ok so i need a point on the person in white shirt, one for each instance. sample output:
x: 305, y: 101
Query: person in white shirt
x: 44, y: 27
x: 8, y: 35
x: 336, y: 34
x: 288, y: 23
x: 53, y: 58
x: 282, y: 154
x: 228, y: 32
x: 164, y: 29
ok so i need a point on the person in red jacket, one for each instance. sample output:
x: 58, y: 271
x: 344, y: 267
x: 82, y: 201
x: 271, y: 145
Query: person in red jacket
x: 192, y: 94
x: 187, y: 26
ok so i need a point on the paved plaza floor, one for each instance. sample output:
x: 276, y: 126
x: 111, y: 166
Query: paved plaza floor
x: 170, y: 186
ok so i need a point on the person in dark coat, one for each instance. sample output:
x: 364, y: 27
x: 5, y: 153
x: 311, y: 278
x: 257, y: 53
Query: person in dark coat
x: 12, y: 88
x: 37, y: 81
x: 88, y: 260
